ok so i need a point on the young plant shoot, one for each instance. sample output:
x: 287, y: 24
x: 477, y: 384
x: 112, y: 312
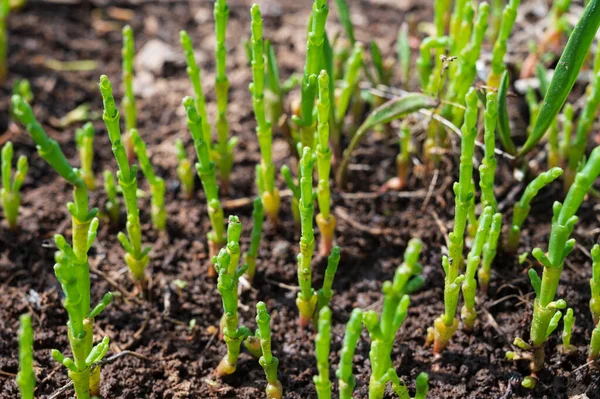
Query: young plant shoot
x: 268, y: 192
x: 314, y: 64
x: 546, y: 311
x: 128, y: 104
x: 322, y: 345
x: 225, y: 144
x: 268, y: 362
x: 382, y: 329
x: 325, y: 220
x: 568, y: 322
x: 489, y: 252
x: 208, y: 176
x: 226, y: 265
x: 346, y: 381
x: 4, y: 11
x: 497, y: 68
x: 447, y: 323
x: 72, y: 268
x: 594, y: 344
x: 595, y: 284
x: 136, y: 257
x: 522, y: 208
x: 10, y: 193
x: 487, y: 170
x: 84, y: 140
x: 157, y: 184
x: 185, y: 172
x: 258, y: 216
x: 26, y: 375
x: 113, y: 206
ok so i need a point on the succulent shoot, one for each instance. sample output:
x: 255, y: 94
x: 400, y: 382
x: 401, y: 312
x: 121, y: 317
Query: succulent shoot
x: 208, y: 176
x: 594, y: 350
x: 595, y: 284
x: 325, y: 220
x: 72, y: 268
x: 382, y: 329
x: 522, y: 208
x: 26, y: 375
x: 497, y: 68
x: 268, y: 362
x: 157, y: 184
x: 136, y: 257
x: 226, y: 265
x: 10, y: 193
x: 489, y: 252
x: 225, y: 145
x: 568, y: 322
x: 322, y: 345
x: 487, y: 169
x: 268, y: 192
x: 128, y: 104
x: 4, y: 11
x: 258, y: 216
x: 344, y: 374
x: 185, y: 172
x: 84, y: 139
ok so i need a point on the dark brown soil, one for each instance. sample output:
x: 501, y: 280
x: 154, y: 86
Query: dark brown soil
x: 373, y: 229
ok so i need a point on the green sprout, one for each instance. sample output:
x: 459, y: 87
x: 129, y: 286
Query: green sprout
x: 268, y: 362
x: 509, y: 16
x: 4, y: 11
x: 196, y: 79
x: 226, y: 264
x: 258, y: 216
x: 382, y: 330
x: 325, y: 293
x: 26, y: 375
x: 225, y: 146
x: 568, y: 321
x: 346, y: 381
x: 157, y: 184
x: 546, y: 309
x: 595, y: 284
x: 594, y: 344
x: 136, y: 257
x: 207, y: 172
x: 522, y: 208
x: 469, y: 284
x: 447, y: 323
x: 128, y: 104
x: 268, y: 192
x: 423, y: 63
x: 325, y: 220
x: 10, y: 193
x: 295, y: 189
x: 313, y: 66
x: 72, y: 268
x: 322, y: 345
x: 487, y: 170
x: 489, y: 252
x: 22, y: 87
x: 185, y: 172
x: 112, y: 204
x: 84, y: 139
x: 567, y: 130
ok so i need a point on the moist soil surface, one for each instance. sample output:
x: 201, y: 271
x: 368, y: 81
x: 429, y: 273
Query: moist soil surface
x: 175, y: 358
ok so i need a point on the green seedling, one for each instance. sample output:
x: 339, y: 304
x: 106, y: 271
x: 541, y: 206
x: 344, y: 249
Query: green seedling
x: 128, y: 104
x: 489, y: 252
x: 10, y: 193
x: 595, y: 284
x: 594, y: 350
x: 26, y: 375
x: 185, y: 172
x: 568, y: 321
x: 487, y: 170
x: 22, y: 87
x: 322, y: 345
x: 498, y: 67
x: 268, y: 362
x: 4, y: 11
x: 84, y: 139
x: 346, y: 381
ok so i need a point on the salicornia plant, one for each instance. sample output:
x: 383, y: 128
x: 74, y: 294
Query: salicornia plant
x: 26, y: 375
x: 22, y: 87
x: 568, y: 322
x: 469, y: 285
x: 71, y: 268
x: 487, y: 170
x: 185, y: 172
x: 266, y: 178
x: 258, y: 216
x: 545, y: 310
x: 595, y: 284
x: 10, y: 193
x: 445, y: 325
x: 322, y: 345
x: 84, y: 139
x: 128, y: 104
x: 346, y: 381
x: 382, y: 329
x: 522, y: 208
x: 4, y: 11
x: 594, y: 350
x: 113, y: 207
x: 226, y: 264
x: 157, y: 184
x: 136, y: 257
x: 268, y: 362
x: 325, y: 220
x: 207, y: 172
x: 489, y: 252
x: 225, y: 145
x: 497, y: 67
x: 314, y: 64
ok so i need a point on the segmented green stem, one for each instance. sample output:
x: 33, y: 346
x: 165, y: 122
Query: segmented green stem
x: 497, y: 67
x: 84, y: 139
x: 594, y: 344
x: 26, y: 375
x: 489, y: 252
x: 128, y: 52
x: 595, y: 284
x: 326, y: 292
x: 568, y: 322
x: 268, y: 362
x: 10, y: 193
x: 487, y: 169
x: 346, y: 381
x: 4, y: 11
x: 322, y: 344
x: 567, y: 130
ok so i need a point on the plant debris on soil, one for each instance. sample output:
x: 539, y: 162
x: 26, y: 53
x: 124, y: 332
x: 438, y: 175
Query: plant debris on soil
x: 174, y: 333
